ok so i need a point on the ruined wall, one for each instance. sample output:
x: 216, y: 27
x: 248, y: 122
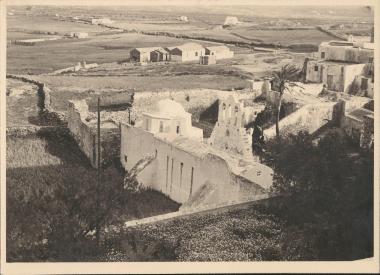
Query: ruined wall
x: 309, y: 118
x: 86, y: 135
x: 178, y: 173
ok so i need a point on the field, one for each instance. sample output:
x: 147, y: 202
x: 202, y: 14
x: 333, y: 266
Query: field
x: 104, y: 46
x: 48, y: 178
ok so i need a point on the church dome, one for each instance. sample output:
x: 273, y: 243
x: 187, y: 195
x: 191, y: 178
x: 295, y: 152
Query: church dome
x: 169, y: 108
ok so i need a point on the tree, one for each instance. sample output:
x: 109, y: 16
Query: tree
x: 282, y: 80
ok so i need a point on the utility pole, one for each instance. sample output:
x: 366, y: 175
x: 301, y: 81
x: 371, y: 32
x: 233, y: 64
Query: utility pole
x: 99, y: 181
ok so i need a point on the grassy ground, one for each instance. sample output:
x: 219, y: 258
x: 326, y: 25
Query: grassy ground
x: 50, y: 185
x: 21, y: 103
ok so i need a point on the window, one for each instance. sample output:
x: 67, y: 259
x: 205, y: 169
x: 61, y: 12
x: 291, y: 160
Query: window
x: 227, y: 133
x: 236, y: 109
x: 125, y: 158
x: 258, y: 173
x: 370, y: 59
x: 167, y: 171
x: 316, y: 68
x: 177, y: 129
x: 191, y: 180
x: 161, y: 126
x: 196, y: 53
x: 235, y: 121
x: 180, y: 174
x: 323, y: 54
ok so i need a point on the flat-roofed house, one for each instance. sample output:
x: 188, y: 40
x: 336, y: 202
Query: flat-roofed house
x: 186, y: 52
x: 343, y: 66
x: 221, y: 52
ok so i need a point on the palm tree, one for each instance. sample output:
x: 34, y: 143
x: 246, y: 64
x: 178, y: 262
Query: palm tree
x: 283, y: 80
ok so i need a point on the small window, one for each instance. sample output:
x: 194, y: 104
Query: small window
x: 323, y: 54
x: 370, y: 59
x: 316, y: 68
x: 125, y: 158
x: 227, y: 133
x: 161, y: 126
x: 364, y: 84
x: 236, y: 109
x: 196, y: 53
x: 177, y: 129
x: 258, y: 173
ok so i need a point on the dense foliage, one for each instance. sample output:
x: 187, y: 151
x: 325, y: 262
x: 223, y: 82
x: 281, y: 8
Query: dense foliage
x: 51, y: 201
x: 329, y: 188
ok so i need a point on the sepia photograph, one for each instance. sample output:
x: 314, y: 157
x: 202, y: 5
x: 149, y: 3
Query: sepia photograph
x: 189, y: 131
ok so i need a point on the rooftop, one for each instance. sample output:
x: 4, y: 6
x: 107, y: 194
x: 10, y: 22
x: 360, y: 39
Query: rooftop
x: 245, y: 168
x: 189, y: 46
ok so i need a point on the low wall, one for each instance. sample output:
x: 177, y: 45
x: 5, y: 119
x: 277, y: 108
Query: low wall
x: 50, y: 116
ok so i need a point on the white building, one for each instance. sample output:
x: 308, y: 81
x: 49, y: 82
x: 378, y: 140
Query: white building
x: 96, y: 21
x: 231, y: 21
x: 186, y: 52
x: 183, y: 165
x: 343, y: 66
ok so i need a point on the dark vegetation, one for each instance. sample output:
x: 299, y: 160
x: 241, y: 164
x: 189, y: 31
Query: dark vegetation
x: 51, y: 200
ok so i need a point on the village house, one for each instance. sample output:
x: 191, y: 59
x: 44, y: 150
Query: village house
x: 359, y: 125
x: 343, y: 66
x: 221, y: 52
x: 183, y: 165
x: 186, y: 52
x: 229, y: 132
x: 207, y: 59
x: 142, y: 54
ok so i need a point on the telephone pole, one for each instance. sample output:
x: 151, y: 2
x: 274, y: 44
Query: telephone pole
x: 99, y: 181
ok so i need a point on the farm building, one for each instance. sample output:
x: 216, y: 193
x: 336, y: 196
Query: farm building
x: 343, y: 67
x: 142, y: 54
x: 230, y: 21
x: 207, y: 59
x: 186, y: 52
x: 183, y: 18
x: 178, y: 164
x: 221, y: 52
x: 159, y: 55
x: 77, y: 34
